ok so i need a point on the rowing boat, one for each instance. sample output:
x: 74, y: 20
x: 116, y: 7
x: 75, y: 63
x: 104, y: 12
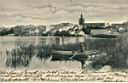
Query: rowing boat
x: 68, y: 55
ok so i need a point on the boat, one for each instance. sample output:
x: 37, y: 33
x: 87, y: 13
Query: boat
x: 70, y: 55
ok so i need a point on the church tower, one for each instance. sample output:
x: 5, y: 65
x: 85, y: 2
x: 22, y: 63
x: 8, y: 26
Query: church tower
x: 81, y: 20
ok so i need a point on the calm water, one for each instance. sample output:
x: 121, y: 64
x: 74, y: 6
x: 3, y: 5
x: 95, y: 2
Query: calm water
x: 8, y: 44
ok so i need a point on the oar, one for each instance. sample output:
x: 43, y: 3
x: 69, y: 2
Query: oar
x: 73, y: 56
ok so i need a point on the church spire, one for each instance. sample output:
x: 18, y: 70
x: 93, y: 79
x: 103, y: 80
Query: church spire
x: 81, y: 19
x: 81, y: 15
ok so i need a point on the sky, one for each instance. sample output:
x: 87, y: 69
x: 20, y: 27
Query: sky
x: 46, y: 12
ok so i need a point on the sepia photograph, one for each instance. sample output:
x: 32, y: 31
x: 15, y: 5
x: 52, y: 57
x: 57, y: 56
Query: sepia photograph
x: 63, y: 40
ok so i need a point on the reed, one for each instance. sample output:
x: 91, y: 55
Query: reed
x: 119, y: 54
x: 22, y: 55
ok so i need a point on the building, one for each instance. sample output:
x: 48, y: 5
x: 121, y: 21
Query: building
x: 95, y: 25
x: 71, y: 31
x: 81, y: 20
x: 120, y: 27
x: 125, y: 25
x: 61, y: 27
x: 41, y: 29
x: 117, y: 25
x: 79, y: 32
x: 91, y: 25
x: 29, y: 30
x: 76, y: 30
x: 25, y: 31
x: 100, y: 31
x: 32, y: 31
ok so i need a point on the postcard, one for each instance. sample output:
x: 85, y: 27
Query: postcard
x: 63, y: 41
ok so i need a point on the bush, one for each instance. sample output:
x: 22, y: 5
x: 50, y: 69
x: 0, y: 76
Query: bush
x: 120, y: 53
x: 6, y: 32
x: 62, y: 33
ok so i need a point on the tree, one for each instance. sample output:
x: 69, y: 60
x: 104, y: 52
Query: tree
x: 62, y: 33
x: 87, y: 30
x: 6, y: 32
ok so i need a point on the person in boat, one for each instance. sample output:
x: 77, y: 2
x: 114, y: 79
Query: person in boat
x: 82, y: 48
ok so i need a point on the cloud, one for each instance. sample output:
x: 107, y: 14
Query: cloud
x: 51, y: 11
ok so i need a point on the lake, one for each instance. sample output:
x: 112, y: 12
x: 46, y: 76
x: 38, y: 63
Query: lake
x: 26, y: 52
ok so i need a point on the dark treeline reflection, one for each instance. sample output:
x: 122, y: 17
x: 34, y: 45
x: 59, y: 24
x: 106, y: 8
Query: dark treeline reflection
x: 23, y: 54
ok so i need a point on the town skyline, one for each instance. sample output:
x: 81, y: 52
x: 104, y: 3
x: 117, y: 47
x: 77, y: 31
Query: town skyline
x: 42, y: 12
x: 20, y: 24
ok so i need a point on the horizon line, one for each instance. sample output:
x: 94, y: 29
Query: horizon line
x: 120, y: 22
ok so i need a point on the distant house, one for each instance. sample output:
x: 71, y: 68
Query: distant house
x: 37, y: 31
x: 41, y: 29
x: 121, y: 30
x: 125, y: 25
x: 25, y: 31
x: 79, y: 32
x: 61, y: 27
x: 120, y: 27
x: 22, y: 29
x: 71, y: 31
x: 95, y: 25
x: 116, y: 25
x: 76, y: 30
x: 31, y: 31
x: 77, y: 27
x: 100, y: 31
